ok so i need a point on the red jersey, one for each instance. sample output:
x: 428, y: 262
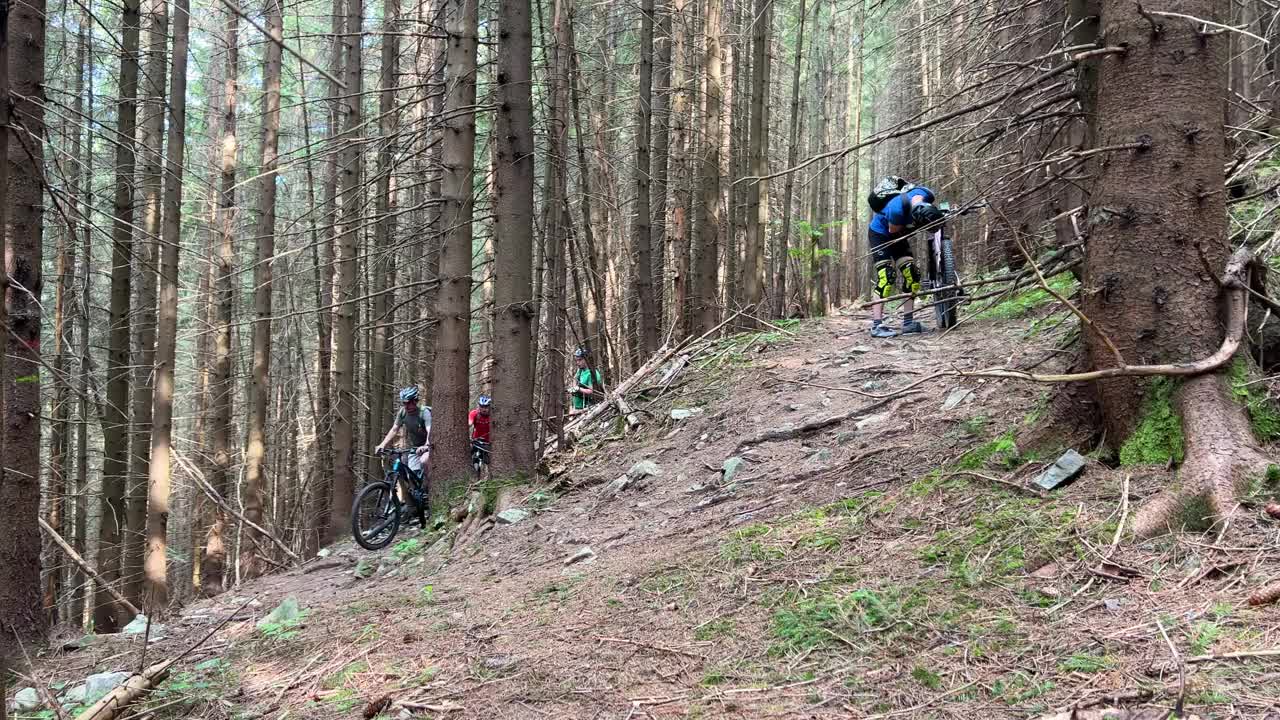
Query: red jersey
x: 479, y: 425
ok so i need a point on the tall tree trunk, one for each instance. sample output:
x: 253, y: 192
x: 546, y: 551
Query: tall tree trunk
x: 150, y: 184
x: 1148, y: 288
x: 321, y: 497
x: 451, y: 395
x: 706, y: 255
x: 381, y: 260
x: 222, y: 384
x: 782, y: 248
x: 256, y: 445
x: 557, y: 224
x: 347, y: 276
x: 21, y: 190
x: 641, y: 231
x: 83, y: 155
x: 758, y: 149
x: 108, y: 615
x: 513, y: 244
x: 681, y: 180
x: 661, y: 153
x: 159, y: 480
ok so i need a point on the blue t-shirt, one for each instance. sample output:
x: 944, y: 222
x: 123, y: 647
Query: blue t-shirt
x: 898, y: 212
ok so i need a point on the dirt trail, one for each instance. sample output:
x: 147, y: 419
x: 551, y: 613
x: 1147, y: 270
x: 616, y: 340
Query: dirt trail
x: 869, y: 569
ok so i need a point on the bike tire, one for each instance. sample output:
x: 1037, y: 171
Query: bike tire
x: 386, y: 516
x: 948, y: 301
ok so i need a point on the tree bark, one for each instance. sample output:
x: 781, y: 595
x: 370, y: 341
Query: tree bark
x: 641, y: 232
x: 83, y: 154
x: 145, y: 247
x: 346, y: 276
x: 451, y: 394
x: 782, y: 250
x: 681, y: 111
x: 159, y: 480
x: 108, y: 616
x: 661, y: 153
x: 256, y: 443
x: 513, y: 245
x: 706, y: 254
x: 222, y: 384
x: 21, y: 190
x: 757, y: 192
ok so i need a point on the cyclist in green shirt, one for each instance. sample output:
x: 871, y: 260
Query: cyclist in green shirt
x: 587, y: 387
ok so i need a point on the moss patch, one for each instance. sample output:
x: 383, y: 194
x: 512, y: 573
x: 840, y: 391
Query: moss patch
x: 1001, y: 451
x: 1263, y: 417
x: 1030, y: 299
x: 1158, y: 437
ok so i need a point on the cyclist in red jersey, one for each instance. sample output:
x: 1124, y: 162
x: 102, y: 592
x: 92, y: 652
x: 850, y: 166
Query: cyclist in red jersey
x: 478, y: 420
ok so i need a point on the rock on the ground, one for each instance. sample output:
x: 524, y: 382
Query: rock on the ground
x: 583, y: 553
x: 26, y: 700
x: 77, y: 695
x: 821, y: 457
x: 324, y: 553
x: 685, y: 413
x: 730, y: 467
x: 365, y: 568
x: 844, y: 437
x: 96, y: 686
x: 287, y: 611
x: 499, y: 663
x: 644, y: 468
x: 512, y: 516
x: 872, y: 420
x: 957, y: 397
x: 138, y: 626
x: 389, y: 563
x: 1066, y: 469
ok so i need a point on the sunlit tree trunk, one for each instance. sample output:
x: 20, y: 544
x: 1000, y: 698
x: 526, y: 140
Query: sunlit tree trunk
x: 782, y: 246
x: 706, y: 254
x: 256, y: 444
x: 108, y: 617
x: 159, y: 480
x: 758, y: 149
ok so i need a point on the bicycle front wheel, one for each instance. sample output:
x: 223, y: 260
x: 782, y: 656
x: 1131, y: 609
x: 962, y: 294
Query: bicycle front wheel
x: 375, y: 515
x: 947, y: 301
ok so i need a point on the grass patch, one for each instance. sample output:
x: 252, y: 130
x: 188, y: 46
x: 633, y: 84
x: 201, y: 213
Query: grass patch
x: 1158, y: 437
x: 926, y: 677
x: 1087, y: 663
x: 827, y: 619
x: 720, y: 627
x: 1001, y: 452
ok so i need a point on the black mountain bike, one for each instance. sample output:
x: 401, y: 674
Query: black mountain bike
x: 479, y: 456
x: 379, y: 509
x: 942, y: 272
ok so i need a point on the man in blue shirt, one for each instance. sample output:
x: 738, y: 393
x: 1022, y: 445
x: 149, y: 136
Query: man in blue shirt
x: 899, y: 209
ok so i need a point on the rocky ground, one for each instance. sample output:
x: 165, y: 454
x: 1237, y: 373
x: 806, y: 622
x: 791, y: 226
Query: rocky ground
x: 718, y: 562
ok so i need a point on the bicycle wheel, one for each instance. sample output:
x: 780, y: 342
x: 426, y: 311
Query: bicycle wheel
x: 375, y: 515
x: 947, y: 301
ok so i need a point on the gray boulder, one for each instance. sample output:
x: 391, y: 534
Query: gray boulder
x: 96, y: 686
x: 26, y: 700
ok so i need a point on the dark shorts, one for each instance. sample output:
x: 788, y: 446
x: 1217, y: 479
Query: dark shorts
x: 885, y: 249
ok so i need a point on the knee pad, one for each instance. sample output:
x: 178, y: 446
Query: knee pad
x: 910, y: 275
x: 884, y: 278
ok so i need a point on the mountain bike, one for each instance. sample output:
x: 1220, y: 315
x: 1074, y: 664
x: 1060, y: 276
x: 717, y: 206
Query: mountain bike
x: 479, y: 456
x: 942, y: 273
x: 379, y: 509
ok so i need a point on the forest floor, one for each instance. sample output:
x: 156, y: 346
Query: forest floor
x: 893, y: 565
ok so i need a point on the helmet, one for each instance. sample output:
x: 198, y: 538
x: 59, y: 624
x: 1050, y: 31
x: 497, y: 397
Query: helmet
x: 409, y: 393
x: 925, y: 214
x: 484, y: 401
x: 885, y: 190
x: 580, y: 353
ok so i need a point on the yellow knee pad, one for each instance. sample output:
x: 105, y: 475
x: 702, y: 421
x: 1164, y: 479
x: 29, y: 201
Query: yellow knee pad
x: 884, y: 279
x: 910, y: 275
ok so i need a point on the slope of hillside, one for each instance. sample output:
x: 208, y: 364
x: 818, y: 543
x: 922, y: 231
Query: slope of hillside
x: 890, y: 564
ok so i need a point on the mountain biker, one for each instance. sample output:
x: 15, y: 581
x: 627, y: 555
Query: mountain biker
x: 587, y: 388
x: 900, y: 209
x: 415, y: 419
x: 478, y: 421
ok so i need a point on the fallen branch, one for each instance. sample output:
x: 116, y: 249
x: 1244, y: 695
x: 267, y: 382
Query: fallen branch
x: 88, y: 570
x: 813, y: 425
x: 1239, y: 655
x: 195, y: 474
x: 115, y: 702
x: 998, y: 481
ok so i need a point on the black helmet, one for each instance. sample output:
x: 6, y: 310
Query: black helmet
x: 580, y: 353
x: 925, y: 214
x: 409, y: 393
x: 889, y: 187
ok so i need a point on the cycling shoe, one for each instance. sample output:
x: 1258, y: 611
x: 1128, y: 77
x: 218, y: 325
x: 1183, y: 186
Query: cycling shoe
x: 912, y: 327
x: 883, y: 331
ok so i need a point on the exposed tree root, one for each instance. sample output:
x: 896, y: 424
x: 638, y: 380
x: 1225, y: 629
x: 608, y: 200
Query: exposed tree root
x: 1220, y: 457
